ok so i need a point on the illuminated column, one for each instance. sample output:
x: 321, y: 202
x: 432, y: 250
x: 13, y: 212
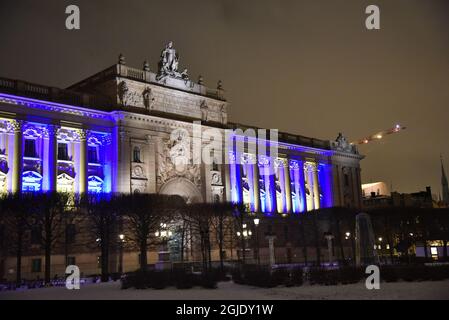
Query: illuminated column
x: 83, y: 187
x: 17, y: 163
x: 302, y: 188
x: 256, y: 191
x: 50, y: 158
x: 316, y: 189
x: 288, y: 193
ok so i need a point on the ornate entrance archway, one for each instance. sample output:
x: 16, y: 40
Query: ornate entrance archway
x: 182, y: 187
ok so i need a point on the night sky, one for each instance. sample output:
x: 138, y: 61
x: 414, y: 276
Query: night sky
x: 306, y: 67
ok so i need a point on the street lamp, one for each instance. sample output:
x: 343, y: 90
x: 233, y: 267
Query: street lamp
x: 256, y: 223
x: 347, y: 237
x: 121, y: 238
x: 244, y: 235
x: 164, y: 254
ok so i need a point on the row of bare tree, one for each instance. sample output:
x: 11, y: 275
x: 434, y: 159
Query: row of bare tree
x: 199, y: 227
x: 102, y: 217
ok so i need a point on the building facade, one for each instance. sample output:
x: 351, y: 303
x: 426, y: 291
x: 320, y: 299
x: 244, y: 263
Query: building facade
x: 133, y: 130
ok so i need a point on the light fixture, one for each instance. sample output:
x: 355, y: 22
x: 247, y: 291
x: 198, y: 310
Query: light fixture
x: 238, y: 233
x: 256, y: 221
x: 121, y: 236
x: 348, y: 234
x: 380, y: 239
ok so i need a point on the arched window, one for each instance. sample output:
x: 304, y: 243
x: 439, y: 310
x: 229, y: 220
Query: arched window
x: 136, y: 154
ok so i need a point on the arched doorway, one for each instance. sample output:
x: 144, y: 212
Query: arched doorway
x: 182, y: 187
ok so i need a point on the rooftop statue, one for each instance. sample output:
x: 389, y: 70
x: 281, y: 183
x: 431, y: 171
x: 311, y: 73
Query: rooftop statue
x: 168, y: 64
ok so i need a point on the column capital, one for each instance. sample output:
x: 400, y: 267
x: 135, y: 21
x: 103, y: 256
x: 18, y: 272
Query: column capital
x: 83, y: 134
x: 17, y: 125
x: 52, y: 129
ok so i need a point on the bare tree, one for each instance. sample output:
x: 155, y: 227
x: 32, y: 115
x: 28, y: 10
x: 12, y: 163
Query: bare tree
x: 143, y: 214
x: 102, y: 216
x: 220, y: 221
x: 15, y: 211
x: 48, y: 210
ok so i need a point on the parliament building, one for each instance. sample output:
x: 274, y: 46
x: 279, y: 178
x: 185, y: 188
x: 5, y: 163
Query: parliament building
x: 130, y: 130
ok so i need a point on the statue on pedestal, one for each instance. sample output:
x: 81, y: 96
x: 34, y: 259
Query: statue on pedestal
x: 168, y: 64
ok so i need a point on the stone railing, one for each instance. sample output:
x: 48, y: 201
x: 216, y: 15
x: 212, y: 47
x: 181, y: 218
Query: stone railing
x: 41, y: 92
x: 288, y: 137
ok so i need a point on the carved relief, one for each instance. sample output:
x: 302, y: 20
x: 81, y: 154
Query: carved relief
x: 216, y: 178
x: 148, y: 99
x: 128, y: 97
x: 204, y: 111
x: 174, y: 159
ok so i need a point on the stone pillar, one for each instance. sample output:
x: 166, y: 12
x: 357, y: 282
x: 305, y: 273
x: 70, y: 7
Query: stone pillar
x: 316, y: 189
x: 52, y: 158
x: 83, y: 186
x: 255, y: 169
x: 329, y: 239
x: 302, y: 187
x: 17, y: 163
x: 151, y: 164
x: 288, y: 193
x: 271, y: 239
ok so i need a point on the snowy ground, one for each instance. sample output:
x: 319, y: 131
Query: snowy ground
x: 231, y: 291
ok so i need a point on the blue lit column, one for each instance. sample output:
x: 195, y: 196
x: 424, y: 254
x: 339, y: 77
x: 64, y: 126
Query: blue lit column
x: 316, y: 188
x: 50, y: 159
x: 17, y: 165
x: 288, y: 192
x: 302, y: 188
x: 256, y: 192
x: 83, y: 187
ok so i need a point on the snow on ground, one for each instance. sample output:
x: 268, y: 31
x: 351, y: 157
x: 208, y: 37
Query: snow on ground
x: 231, y: 291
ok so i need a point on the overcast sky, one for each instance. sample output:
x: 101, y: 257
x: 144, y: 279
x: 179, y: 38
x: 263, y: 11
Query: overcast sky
x: 307, y: 67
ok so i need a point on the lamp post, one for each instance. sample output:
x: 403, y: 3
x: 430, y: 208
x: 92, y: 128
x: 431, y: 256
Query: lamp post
x: 379, y: 248
x: 244, y: 235
x: 256, y: 223
x: 121, y: 238
x: 164, y: 255
x: 349, y: 237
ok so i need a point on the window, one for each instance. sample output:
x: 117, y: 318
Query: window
x: 36, y: 235
x: 63, y: 151
x: 30, y: 148
x: 136, y: 154
x: 71, y: 261
x: 70, y: 233
x: 92, y: 154
x: 36, y: 265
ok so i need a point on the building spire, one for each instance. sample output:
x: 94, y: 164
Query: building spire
x: 444, y: 184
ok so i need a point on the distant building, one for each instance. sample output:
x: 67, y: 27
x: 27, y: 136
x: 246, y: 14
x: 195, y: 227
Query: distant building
x: 381, y: 199
x: 376, y: 188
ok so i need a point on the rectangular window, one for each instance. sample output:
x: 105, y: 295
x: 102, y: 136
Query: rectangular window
x: 30, y: 148
x: 92, y: 154
x: 70, y: 233
x: 63, y: 151
x: 36, y: 265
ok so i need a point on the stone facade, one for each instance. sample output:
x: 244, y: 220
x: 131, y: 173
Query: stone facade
x: 132, y: 130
